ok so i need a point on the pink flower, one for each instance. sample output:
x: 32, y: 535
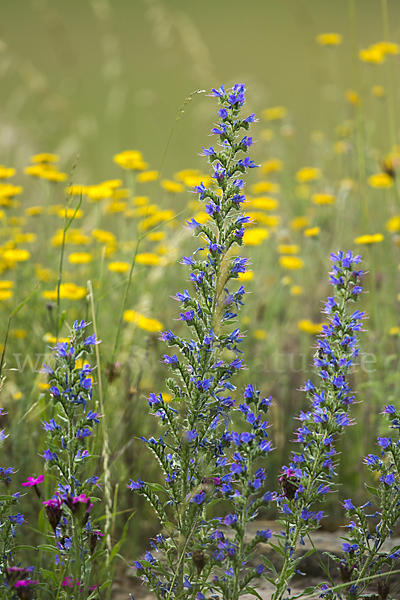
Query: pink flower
x: 32, y: 481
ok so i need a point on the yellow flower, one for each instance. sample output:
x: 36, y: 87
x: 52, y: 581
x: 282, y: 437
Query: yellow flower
x: 17, y: 395
x: 42, y: 273
x: 104, y: 237
x: 246, y: 276
x: 373, y: 55
x: 254, y: 237
x: 172, y: 186
x: 298, y: 223
x: 6, y: 285
x: 119, y: 267
x: 70, y: 212
x: 52, y: 339
x: 6, y: 172
x: 263, y: 219
x: 121, y: 194
x: 147, y: 258
x: 291, y: 262
x: 33, y: 211
x: 353, y: 98
x: 274, y: 114
x: 145, y: 211
x: 45, y: 157
x: 146, y: 176
x: 329, y: 39
x: 380, y: 180
x: 272, y: 165
x: 246, y: 320
x: 288, y: 249
x: 323, y: 199
x: 192, y: 180
x: 115, y: 207
x: 80, y: 258
x: 181, y: 175
x: 25, y: 238
x: 387, y: 47
x: 43, y: 385
x: 296, y: 290
x: 18, y: 334
x: 73, y: 236
x: 378, y: 91
x: 260, y: 334
x: 265, y: 186
x: 5, y: 294
x: 393, y: 224
x: 309, y: 327
x: 37, y: 170
x: 76, y: 190
x: 141, y: 200
x: 159, y: 217
x: 263, y: 203
x: 99, y: 192
x: 55, y: 209
x: 16, y: 255
x: 130, y: 159
x: 308, y: 174
x: 150, y: 325
x: 156, y: 236
x: 8, y: 190
x: 267, y: 134
x: 369, y: 239
x: 394, y: 331
x: 70, y: 291
x: 201, y: 217
x: 1, y: 214
x: 112, y: 183
x: 312, y: 231
x: 53, y: 175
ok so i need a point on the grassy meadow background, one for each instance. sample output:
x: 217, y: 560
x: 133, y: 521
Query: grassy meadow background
x: 89, y: 80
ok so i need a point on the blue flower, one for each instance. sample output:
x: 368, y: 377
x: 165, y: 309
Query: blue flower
x: 136, y: 485
x: 191, y: 435
x: 384, y: 442
x: 49, y: 455
x: 199, y: 498
x: 51, y: 426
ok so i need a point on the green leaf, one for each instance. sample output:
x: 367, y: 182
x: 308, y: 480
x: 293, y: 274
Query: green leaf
x: 277, y: 549
x: 106, y: 584
x: 98, y: 554
x: 49, y: 575
x: 253, y: 591
x: 121, y: 541
x: 308, y: 590
x: 22, y: 547
x: 62, y: 319
x: 371, y: 490
x: 47, y: 548
x: 269, y: 565
x: 308, y: 553
x: 156, y: 487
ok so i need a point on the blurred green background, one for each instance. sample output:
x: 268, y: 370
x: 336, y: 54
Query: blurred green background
x: 96, y: 77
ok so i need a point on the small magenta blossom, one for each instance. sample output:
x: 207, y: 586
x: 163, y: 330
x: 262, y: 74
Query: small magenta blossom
x: 33, y: 481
